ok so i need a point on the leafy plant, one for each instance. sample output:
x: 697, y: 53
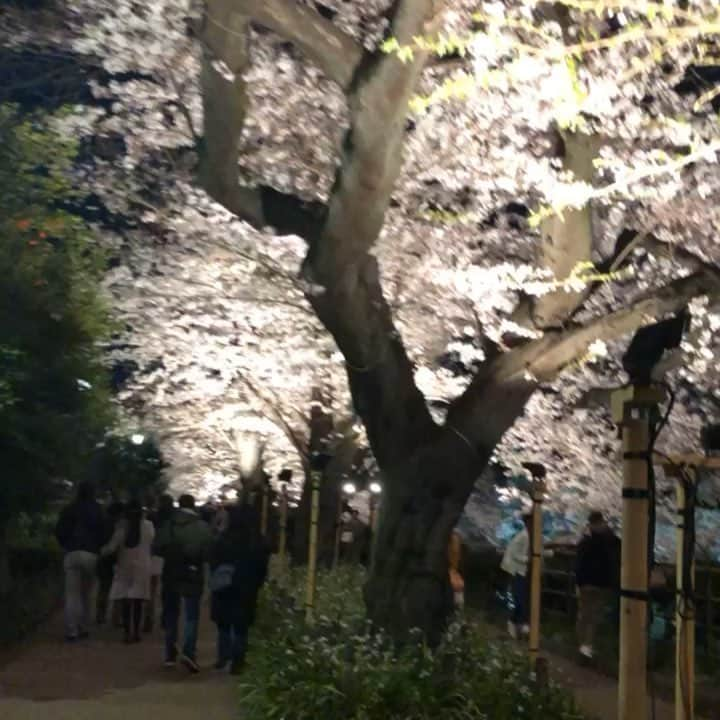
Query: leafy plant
x: 339, y: 667
x: 54, y: 391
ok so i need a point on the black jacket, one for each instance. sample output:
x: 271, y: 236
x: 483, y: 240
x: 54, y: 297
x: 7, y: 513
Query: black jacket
x: 598, y: 560
x: 82, y: 527
x: 236, y: 604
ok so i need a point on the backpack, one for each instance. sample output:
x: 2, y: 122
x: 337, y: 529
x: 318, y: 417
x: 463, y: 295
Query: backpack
x: 222, y: 577
x: 179, y: 566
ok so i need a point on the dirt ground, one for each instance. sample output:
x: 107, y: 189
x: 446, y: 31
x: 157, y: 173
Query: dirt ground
x: 103, y: 679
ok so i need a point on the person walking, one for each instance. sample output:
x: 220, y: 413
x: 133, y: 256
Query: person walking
x: 597, y: 575
x: 162, y: 515
x: 457, y: 583
x: 183, y: 542
x: 239, y: 566
x: 132, y: 541
x: 515, y: 564
x: 80, y: 530
x: 106, y: 564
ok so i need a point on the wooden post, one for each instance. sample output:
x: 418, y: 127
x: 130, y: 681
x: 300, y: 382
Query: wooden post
x: 312, y: 546
x: 631, y: 410
x: 282, y: 541
x: 684, y: 615
x: 536, y: 555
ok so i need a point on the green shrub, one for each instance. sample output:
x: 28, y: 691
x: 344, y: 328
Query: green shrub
x: 339, y: 669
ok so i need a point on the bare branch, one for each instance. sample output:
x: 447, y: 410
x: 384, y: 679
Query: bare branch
x: 298, y: 442
x: 334, y: 52
x: 545, y: 358
x: 225, y: 107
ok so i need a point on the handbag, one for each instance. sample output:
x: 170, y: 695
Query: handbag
x: 222, y: 577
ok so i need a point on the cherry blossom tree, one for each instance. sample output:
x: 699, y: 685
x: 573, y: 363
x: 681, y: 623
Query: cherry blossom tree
x: 484, y: 204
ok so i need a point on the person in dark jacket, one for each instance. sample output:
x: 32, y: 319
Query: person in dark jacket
x: 239, y: 565
x: 106, y: 564
x: 158, y: 517
x: 183, y: 542
x: 597, y: 575
x: 80, y: 531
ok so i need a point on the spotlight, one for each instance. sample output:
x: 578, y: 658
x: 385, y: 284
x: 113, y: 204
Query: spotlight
x: 349, y: 489
x: 650, y: 343
x: 375, y: 488
x: 710, y: 438
x: 137, y: 439
x: 319, y: 461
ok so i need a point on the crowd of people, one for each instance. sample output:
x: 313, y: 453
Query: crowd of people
x: 597, y: 577
x: 133, y: 554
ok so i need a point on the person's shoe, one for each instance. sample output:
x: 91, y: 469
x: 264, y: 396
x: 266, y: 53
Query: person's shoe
x: 170, y: 663
x: 220, y: 665
x: 512, y: 630
x: 83, y: 635
x: 128, y: 639
x: 71, y: 638
x: 190, y: 664
x: 586, y: 651
x: 525, y: 630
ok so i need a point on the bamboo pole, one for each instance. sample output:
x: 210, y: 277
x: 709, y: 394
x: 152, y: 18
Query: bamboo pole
x: 684, y: 617
x: 633, y: 701
x: 536, y: 555
x: 313, y: 547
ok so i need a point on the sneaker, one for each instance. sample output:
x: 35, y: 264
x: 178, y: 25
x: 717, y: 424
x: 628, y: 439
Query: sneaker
x: 71, y: 638
x: 220, y: 665
x: 170, y: 663
x: 586, y: 651
x: 190, y: 664
x: 512, y: 630
x: 525, y: 630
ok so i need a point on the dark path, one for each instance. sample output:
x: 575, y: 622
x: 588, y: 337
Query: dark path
x: 103, y: 679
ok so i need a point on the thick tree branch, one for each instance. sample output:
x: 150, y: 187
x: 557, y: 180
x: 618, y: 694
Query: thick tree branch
x: 351, y: 305
x: 546, y: 357
x: 334, y: 52
x: 499, y: 391
x: 225, y: 107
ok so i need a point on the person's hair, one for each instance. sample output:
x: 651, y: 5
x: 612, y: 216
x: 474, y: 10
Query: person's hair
x: 187, y: 502
x: 596, y: 518
x: 85, y: 491
x: 165, y: 509
x: 243, y: 526
x: 133, y: 518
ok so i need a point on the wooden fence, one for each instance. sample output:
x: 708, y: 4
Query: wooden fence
x: 486, y: 586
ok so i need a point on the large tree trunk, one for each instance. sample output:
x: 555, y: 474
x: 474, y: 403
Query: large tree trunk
x: 409, y: 583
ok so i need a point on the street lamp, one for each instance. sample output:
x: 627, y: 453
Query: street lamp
x: 137, y: 439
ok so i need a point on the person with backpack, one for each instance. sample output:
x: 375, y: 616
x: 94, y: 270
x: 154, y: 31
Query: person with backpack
x: 183, y: 542
x: 81, y: 532
x: 239, y: 565
x: 132, y: 541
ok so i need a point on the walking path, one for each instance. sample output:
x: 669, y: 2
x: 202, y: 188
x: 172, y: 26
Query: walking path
x: 103, y: 679
x: 595, y: 693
